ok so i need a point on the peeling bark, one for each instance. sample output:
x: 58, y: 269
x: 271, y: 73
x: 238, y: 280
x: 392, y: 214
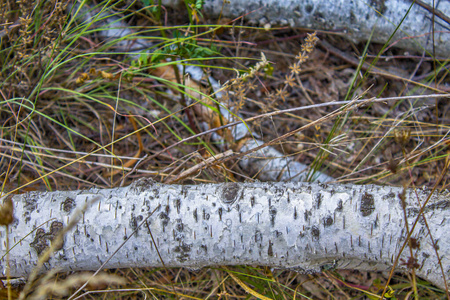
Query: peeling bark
x: 307, y: 227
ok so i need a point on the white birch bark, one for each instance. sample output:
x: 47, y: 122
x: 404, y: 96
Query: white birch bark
x: 302, y: 226
x: 357, y: 19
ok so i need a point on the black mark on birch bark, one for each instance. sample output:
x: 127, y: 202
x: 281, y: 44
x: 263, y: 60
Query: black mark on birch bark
x: 144, y: 184
x: 315, y: 233
x: 367, y: 204
x: 42, y: 239
x: 68, y: 205
x: 308, y: 214
x: 379, y: 5
x: 177, y: 205
x: 391, y: 195
x: 205, y: 215
x: 319, y: 198
x: 258, y: 236
x: 164, y: 220
x: 178, y: 233
x: 352, y: 17
x: 134, y: 221
x: 40, y: 242
x: 273, y: 214
x: 339, y: 206
x: 440, y: 205
x: 180, y: 226
x: 270, y: 250
x: 328, y: 221
x: 195, y: 215
x: 184, y: 250
x: 29, y: 207
x: 230, y: 193
x: 309, y: 8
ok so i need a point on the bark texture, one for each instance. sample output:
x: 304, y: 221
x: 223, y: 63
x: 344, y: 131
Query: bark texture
x: 357, y: 19
x: 302, y: 226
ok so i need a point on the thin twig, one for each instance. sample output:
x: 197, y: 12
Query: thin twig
x: 204, y: 164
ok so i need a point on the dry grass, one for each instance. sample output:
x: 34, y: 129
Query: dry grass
x: 76, y: 114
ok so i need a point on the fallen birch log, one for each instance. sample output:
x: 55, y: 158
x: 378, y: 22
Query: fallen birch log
x: 307, y: 227
x: 358, y: 20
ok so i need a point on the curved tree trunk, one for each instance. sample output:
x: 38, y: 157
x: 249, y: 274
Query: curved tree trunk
x: 303, y: 226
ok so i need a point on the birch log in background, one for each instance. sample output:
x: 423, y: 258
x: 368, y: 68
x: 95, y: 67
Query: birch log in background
x: 358, y: 19
x: 267, y: 164
x: 303, y: 226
